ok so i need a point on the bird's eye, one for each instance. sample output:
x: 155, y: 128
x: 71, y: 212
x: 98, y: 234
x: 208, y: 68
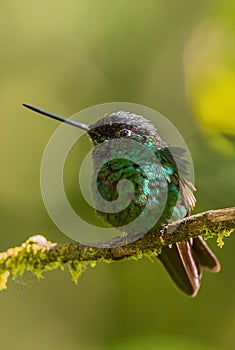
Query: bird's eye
x: 125, y: 132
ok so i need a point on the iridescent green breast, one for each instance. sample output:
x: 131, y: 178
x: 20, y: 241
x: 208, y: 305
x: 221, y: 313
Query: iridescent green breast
x: 155, y: 183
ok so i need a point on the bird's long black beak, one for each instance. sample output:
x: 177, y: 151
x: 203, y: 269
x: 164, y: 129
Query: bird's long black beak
x: 58, y: 117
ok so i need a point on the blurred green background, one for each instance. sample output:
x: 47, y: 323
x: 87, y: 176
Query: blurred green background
x: 177, y: 57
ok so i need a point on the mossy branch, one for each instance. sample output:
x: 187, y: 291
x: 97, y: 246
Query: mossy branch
x: 38, y: 254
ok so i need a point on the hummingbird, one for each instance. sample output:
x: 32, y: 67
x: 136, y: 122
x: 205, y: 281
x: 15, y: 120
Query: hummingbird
x: 184, y: 261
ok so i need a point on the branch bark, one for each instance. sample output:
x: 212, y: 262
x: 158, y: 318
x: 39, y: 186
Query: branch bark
x: 38, y: 254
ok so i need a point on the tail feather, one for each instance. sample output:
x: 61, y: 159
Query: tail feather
x: 204, y: 255
x: 185, y: 262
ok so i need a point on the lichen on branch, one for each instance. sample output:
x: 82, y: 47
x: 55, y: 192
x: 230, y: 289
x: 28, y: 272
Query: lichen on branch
x: 38, y: 254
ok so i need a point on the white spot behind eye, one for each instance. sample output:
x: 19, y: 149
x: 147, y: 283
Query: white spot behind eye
x: 125, y: 132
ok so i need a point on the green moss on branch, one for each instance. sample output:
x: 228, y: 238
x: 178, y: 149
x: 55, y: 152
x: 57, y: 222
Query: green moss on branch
x: 38, y: 254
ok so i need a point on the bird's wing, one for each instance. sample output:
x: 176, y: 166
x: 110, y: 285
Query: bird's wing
x: 185, y: 261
